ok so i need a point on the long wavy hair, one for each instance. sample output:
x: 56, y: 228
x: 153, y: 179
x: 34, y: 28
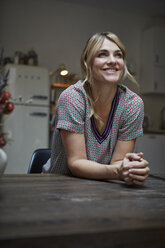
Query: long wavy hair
x: 91, y: 48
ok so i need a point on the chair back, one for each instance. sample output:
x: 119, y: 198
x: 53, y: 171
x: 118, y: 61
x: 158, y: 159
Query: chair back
x: 38, y: 159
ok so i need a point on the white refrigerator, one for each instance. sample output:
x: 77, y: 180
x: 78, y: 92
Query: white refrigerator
x: 27, y: 127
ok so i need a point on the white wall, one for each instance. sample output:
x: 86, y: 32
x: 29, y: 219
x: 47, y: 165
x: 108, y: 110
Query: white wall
x: 58, y: 30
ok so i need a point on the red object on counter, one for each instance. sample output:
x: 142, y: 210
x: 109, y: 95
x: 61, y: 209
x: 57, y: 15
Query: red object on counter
x: 5, y: 96
x: 9, y: 107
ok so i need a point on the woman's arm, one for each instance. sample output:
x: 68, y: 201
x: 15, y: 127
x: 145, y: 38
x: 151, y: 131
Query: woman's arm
x: 74, y: 144
x: 78, y: 163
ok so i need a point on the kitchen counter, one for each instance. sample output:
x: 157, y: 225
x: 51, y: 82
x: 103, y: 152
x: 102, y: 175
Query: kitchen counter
x: 158, y: 131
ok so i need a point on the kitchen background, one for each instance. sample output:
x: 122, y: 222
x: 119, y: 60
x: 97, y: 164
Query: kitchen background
x: 58, y: 29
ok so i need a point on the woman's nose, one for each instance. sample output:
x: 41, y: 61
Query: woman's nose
x: 111, y: 59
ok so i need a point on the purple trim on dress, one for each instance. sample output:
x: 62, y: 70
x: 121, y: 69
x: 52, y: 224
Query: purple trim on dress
x: 101, y: 137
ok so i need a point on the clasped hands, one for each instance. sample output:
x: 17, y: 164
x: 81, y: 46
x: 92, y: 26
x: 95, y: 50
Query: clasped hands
x: 134, y: 169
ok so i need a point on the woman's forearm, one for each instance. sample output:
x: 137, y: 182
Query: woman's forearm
x: 92, y: 170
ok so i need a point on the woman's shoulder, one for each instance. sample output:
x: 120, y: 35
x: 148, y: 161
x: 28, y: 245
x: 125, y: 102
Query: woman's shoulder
x: 75, y: 90
x: 129, y: 95
x: 74, y: 95
x: 131, y: 102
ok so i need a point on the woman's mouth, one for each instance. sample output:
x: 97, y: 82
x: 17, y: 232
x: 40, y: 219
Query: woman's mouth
x: 110, y: 70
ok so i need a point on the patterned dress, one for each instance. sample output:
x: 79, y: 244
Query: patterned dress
x: 73, y: 114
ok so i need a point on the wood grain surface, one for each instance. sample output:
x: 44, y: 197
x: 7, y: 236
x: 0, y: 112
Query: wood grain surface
x: 58, y: 211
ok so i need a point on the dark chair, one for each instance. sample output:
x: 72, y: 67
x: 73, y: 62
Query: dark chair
x: 38, y: 159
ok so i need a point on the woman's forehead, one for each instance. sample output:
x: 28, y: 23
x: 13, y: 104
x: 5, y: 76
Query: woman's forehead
x: 107, y: 44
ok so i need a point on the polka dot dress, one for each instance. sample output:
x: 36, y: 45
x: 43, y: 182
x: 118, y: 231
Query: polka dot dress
x: 73, y: 114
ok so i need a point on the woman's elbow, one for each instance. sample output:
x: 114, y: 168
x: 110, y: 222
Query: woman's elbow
x: 75, y: 167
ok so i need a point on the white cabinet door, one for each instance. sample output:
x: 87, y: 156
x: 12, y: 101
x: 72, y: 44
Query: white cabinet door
x: 159, y: 42
x: 153, y: 62
x: 153, y: 147
x: 159, y: 80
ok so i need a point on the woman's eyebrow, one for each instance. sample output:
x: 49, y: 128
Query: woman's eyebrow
x: 106, y: 50
x: 103, y: 50
x: 117, y: 51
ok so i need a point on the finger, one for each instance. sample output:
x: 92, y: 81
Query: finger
x: 133, y: 164
x: 134, y: 156
x: 141, y: 154
x: 140, y: 178
x: 138, y: 182
x: 144, y: 171
x: 138, y: 164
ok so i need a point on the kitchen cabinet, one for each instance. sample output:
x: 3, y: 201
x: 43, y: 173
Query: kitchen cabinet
x: 153, y: 147
x: 153, y: 62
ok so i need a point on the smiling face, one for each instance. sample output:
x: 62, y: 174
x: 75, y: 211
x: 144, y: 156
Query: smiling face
x: 108, y: 63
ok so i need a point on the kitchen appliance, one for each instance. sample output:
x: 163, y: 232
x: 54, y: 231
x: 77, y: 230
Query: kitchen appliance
x: 27, y: 127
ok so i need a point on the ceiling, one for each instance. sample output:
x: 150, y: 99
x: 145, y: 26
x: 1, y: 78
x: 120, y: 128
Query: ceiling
x: 151, y: 8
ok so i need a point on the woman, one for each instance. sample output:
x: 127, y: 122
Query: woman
x: 98, y: 120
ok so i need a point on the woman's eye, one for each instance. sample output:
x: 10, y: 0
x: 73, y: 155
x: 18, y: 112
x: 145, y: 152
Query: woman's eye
x: 119, y: 55
x: 102, y: 54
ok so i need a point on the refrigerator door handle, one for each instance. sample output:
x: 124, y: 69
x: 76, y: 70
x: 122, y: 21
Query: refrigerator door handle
x: 38, y: 114
x: 39, y: 97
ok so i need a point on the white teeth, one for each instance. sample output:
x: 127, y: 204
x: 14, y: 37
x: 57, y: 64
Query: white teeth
x: 111, y: 70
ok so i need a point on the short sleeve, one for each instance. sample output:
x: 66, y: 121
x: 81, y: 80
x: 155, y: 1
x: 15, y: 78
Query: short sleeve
x: 71, y: 111
x: 131, y: 122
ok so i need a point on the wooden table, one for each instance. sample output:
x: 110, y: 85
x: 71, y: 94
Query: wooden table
x: 57, y: 211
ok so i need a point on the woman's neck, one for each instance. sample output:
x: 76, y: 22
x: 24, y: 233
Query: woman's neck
x: 103, y: 95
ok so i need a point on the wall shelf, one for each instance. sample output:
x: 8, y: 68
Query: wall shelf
x: 59, y: 85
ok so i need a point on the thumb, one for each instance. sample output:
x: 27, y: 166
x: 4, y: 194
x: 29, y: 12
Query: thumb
x: 134, y: 156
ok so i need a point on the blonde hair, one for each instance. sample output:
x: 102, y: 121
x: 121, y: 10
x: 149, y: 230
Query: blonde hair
x: 91, y: 48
